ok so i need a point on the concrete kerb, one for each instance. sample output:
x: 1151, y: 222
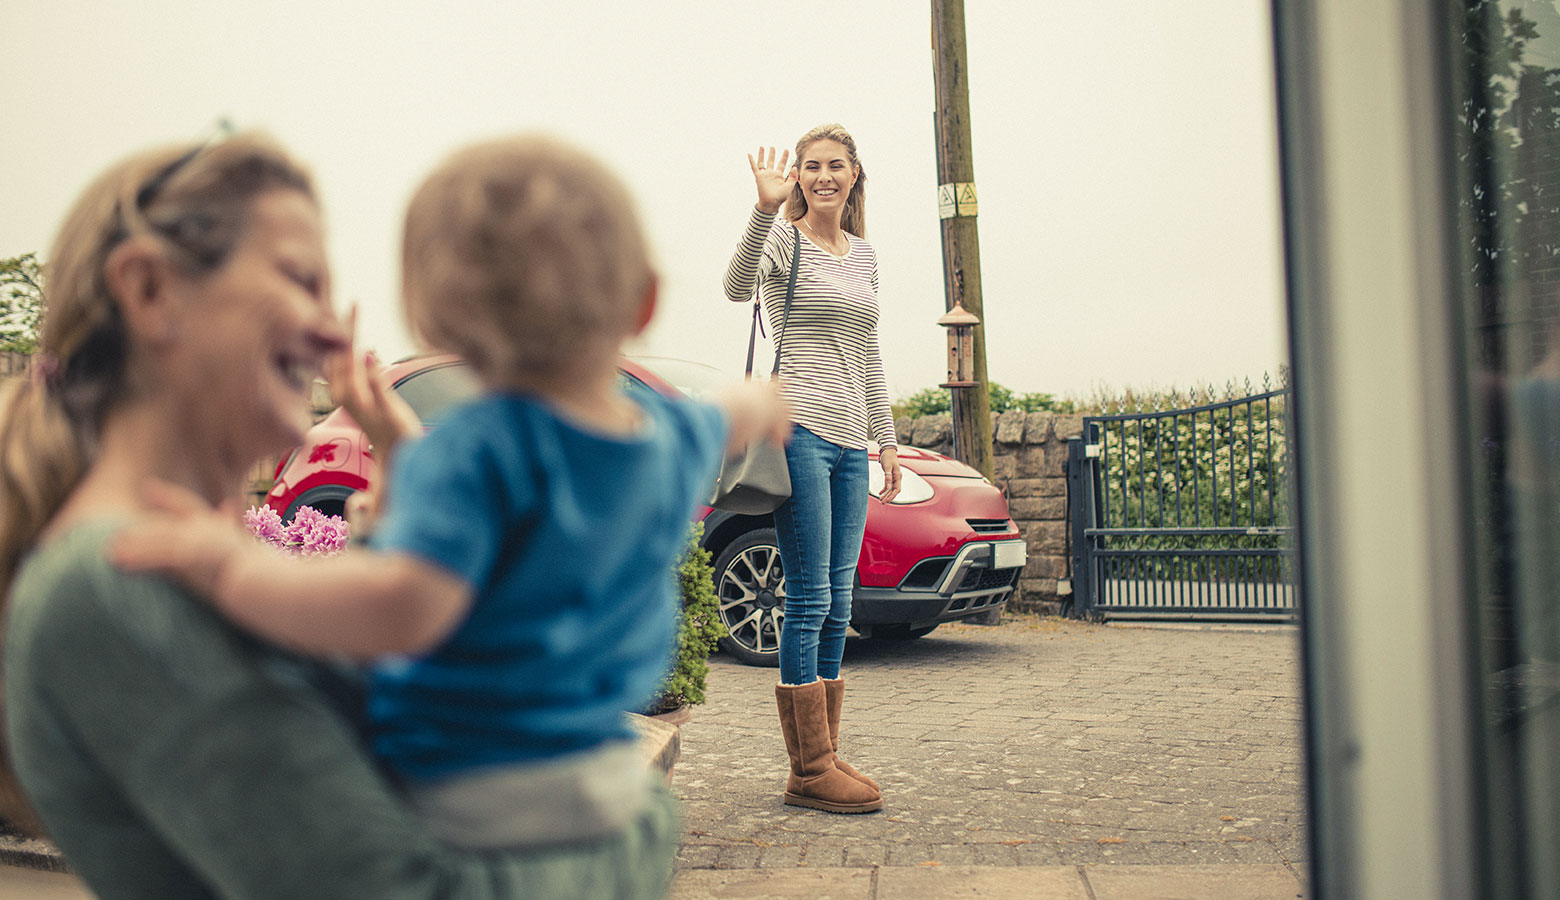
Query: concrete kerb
x: 1114, y: 882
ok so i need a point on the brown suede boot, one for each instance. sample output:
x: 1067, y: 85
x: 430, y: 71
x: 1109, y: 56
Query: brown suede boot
x: 814, y: 781
x: 834, y: 690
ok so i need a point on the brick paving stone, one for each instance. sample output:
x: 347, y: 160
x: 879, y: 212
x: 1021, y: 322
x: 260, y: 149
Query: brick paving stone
x: 870, y: 855
x: 737, y: 858
x: 1023, y: 744
x: 824, y: 856
x: 994, y: 855
x: 780, y: 857
x: 1040, y: 853
x: 696, y: 856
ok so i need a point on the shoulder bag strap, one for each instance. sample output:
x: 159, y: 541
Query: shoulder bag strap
x: 747, y: 373
x: 790, y: 294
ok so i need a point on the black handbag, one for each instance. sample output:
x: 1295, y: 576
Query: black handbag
x: 756, y: 480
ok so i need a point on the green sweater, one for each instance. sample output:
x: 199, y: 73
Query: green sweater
x: 171, y: 756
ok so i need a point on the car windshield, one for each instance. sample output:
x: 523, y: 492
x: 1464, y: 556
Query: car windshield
x: 432, y: 392
x: 694, y: 379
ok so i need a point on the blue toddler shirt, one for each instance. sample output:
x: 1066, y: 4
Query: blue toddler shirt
x: 568, y: 539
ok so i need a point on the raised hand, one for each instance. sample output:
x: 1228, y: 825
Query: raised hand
x: 180, y: 535
x: 774, y: 180
x: 754, y: 410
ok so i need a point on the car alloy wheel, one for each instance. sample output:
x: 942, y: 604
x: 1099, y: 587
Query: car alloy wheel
x: 750, y: 585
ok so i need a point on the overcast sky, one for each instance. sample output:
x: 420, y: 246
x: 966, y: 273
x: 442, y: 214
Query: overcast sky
x: 1124, y: 149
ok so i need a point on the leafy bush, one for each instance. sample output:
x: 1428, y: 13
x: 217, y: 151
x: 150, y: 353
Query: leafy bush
x: 699, y: 628
x: 934, y: 401
x: 1004, y: 400
x: 21, y: 303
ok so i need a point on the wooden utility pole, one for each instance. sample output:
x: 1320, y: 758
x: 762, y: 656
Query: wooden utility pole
x: 960, y: 238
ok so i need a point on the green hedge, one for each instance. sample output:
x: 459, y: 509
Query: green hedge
x: 935, y: 401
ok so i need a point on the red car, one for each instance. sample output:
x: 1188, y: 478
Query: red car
x: 944, y: 549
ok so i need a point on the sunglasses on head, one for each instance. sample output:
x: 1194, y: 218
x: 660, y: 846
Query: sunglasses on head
x: 222, y: 130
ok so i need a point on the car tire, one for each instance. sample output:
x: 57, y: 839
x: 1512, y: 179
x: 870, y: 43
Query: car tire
x: 901, y: 632
x: 330, y: 500
x: 750, y: 587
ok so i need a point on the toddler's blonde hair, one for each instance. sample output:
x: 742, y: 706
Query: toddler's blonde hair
x: 525, y: 256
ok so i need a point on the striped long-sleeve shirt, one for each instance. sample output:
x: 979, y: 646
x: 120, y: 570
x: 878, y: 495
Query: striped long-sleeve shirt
x: 830, y: 365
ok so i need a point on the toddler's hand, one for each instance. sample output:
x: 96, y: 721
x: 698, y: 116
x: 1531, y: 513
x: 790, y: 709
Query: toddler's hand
x: 356, y: 383
x: 755, y: 410
x: 181, y: 536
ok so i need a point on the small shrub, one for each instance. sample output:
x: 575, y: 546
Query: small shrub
x: 928, y: 402
x: 936, y: 401
x: 21, y: 303
x: 699, y: 628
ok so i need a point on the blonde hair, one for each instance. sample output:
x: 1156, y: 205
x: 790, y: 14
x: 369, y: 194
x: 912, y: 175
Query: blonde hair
x: 525, y: 256
x: 854, y: 217
x: 194, y: 202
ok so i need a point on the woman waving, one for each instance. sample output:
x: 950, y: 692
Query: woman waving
x: 832, y: 374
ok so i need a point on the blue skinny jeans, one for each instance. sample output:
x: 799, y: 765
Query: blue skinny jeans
x: 820, y: 529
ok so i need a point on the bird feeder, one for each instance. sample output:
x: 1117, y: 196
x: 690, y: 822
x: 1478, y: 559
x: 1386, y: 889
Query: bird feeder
x: 960, y: 323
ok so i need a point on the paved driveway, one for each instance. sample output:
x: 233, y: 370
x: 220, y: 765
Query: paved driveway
x: 1039, y: 742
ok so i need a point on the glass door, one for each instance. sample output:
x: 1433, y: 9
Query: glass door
x: 1421, y: 150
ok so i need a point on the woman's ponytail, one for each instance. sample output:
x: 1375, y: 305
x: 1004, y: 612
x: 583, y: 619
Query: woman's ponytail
x: 41, y: 460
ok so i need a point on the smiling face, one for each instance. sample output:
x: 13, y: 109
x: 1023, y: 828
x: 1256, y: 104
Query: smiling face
x: 826, y: 176
x: 247, y: 340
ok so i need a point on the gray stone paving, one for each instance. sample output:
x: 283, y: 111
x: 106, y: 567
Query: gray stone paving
x: 1038, y: 742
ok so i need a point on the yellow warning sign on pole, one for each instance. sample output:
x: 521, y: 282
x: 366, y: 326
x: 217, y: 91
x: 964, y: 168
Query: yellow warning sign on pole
x: 957, y: 199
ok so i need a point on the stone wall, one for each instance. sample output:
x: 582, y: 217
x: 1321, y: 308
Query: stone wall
x: 1031, y: 469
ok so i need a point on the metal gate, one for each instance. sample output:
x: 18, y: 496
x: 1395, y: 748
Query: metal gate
x: 1183, y: 513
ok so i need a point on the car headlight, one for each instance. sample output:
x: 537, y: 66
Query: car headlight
x: 912, y: 487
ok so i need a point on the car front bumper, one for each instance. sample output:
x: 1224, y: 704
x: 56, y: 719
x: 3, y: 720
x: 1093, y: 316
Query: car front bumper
x: 980, y: 578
